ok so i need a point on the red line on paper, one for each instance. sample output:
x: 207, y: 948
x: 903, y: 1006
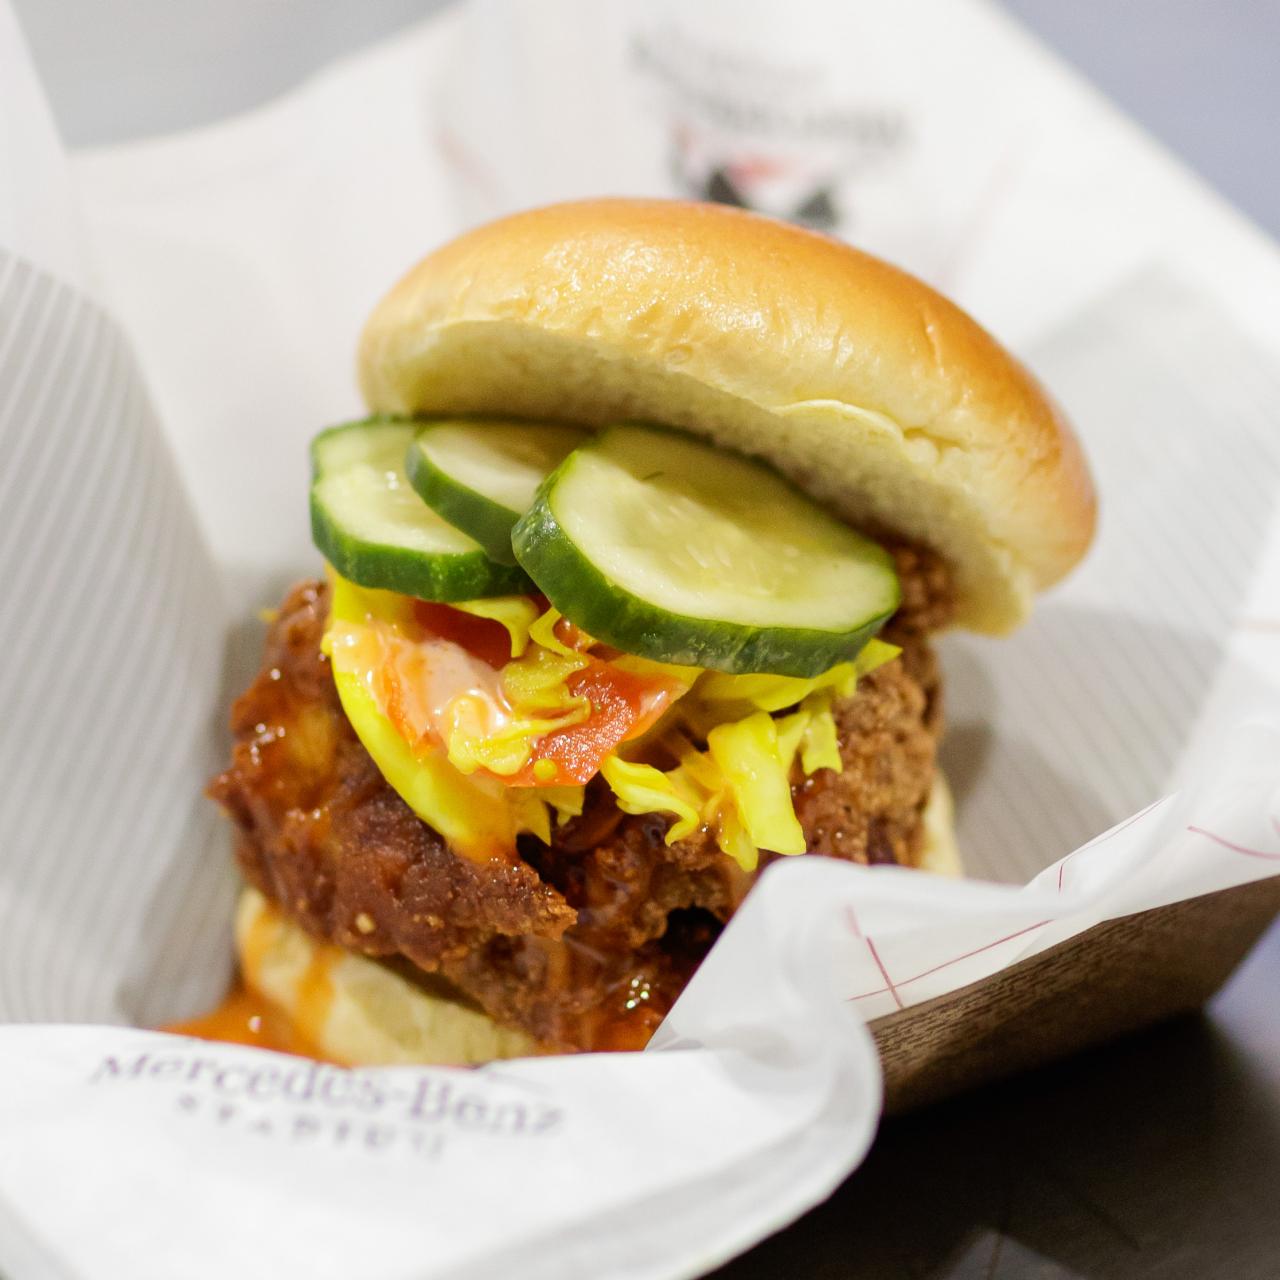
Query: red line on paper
x: 893, y: 989
x: 851, y: 916
x: 1235, y: 848
x: 1040, y: 924
x: 884, y: 973
x: 1260, y: 624
x: 866, y: 995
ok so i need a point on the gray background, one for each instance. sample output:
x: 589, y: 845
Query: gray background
x: 1203, y: 75
x: 1156, y: 1157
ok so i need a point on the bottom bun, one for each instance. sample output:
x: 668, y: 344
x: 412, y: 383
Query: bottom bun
x: 354, y: 1011
x: 940, y: 852
x: 358, y: 1012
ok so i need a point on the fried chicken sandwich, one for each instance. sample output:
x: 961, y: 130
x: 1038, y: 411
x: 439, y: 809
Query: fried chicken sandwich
x: 630, y: 587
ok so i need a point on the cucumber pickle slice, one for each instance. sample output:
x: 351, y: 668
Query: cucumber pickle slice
x: 672, y: 549
x: 482, y: 476
x: 374, y: 529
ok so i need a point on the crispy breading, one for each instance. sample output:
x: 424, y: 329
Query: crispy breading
x: 586, y: 943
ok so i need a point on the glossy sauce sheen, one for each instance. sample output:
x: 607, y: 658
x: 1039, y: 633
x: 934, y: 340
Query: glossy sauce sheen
x: 246, y: 1017
x: 423, y: 679
x: 602, y: 988
x: 304, y: 795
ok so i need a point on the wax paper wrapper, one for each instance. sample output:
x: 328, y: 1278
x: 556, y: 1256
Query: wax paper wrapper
x: 1115, y: 757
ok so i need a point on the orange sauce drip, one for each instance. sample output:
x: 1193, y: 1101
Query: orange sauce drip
x: 628, y: 1032
x: 315, y: 993
x: 245, y: 1017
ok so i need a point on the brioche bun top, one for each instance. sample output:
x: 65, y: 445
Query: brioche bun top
x: 879, y: 397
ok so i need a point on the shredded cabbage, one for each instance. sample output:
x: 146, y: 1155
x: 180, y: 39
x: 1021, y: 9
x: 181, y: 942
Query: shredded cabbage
x: 566, y: 801
x: 538, y: 681
x: 361, y: 605
x: 758, y: 780
x: 543, y: 631
x: 532, y: 807
x: 768, y: 693
x: 775, y: 693
x: 732, y: 836
x: 640, y: 788
x: 791, y: 731
x: 740, y: 787
x: 819, y: 743
x: 536, y: 688
x: 478, y: 816
x: 516, y: 613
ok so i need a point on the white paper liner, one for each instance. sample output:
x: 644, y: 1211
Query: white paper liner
x: 242, y: 260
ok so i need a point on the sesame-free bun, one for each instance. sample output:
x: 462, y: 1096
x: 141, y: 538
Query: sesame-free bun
x: 371, y: 1016
x: 939, y: 848
x: 874, y: 393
